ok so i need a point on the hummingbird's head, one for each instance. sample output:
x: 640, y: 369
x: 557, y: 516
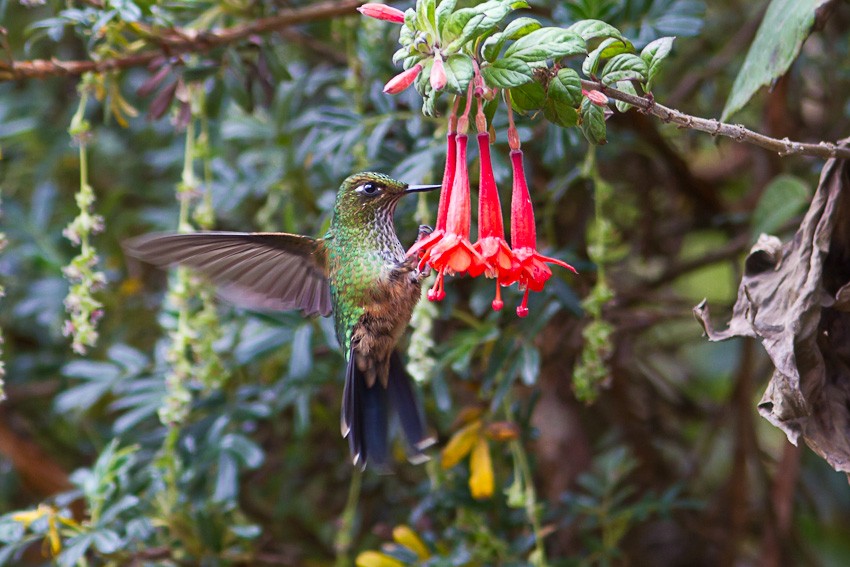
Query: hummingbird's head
x: 363, y: 195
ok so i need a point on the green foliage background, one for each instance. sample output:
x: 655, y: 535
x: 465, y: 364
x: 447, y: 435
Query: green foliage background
x: 670, y: 466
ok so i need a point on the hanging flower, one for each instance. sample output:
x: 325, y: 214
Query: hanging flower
x: 406, y: 543
x: 402, y: 80
x: 382, y: 12
x: 491, y: 243
x: 532, y: 271
x: 438, y: 73
x: 453, y: 253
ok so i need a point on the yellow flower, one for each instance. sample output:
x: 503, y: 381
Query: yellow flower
x: 54, y: 518
x: 481, y: 478
x: 403, y: 536
x: 376, y: 559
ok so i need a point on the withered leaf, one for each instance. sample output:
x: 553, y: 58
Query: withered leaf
x: 795, y: 298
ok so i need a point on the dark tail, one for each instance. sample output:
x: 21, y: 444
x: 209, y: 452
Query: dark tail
x: 365, y: 415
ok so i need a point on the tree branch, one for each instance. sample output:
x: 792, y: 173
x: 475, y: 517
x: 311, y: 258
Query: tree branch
x: 737, y: 132
x: 174, y: 41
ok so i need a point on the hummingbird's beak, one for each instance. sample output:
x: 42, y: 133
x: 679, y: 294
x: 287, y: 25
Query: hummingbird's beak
x: 418, y: 188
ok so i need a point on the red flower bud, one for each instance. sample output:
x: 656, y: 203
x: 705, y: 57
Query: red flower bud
x: 402, y: 80
x: 382, y: 12
x: 596, y: 97
x: 438, y: 73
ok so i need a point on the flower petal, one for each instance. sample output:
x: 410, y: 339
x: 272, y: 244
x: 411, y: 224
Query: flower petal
x: 405, y: 536
x: 460, y: 444
x: 481, y: 476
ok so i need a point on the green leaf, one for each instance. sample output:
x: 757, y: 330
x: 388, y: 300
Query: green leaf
x: 546, y: 43
x: 521, y: 27
x: 783, y: 198
x: 560, y: 113
x: 591, y: 30
x: 624, y: 67
x: 593, y: 123
x: 471, y: 23
x: 459, y: 72
x: 654, y: 53
x: 626, y: 87
x: 565, y: 87
x: 529, y: 96
x: 507, y: 73
x: 492, y: 46
x: 607, y: 49
x: 785, y: 27
x: 443, y: 12
x: 425, y: 14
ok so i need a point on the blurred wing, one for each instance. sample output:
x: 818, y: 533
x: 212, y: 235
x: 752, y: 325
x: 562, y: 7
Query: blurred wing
x: 257, y: 270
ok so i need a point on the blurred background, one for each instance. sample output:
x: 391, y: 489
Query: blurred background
x: 633, y: 440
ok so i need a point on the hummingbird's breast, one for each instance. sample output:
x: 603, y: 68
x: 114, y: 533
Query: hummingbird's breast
x: 373, y: 298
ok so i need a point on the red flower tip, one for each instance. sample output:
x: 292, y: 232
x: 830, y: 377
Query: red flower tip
x: 402, y: 80
x: 438, y: 73
x: 497, y: 302
x: 596, y: 97
x: 382, y: 12
x: 522, y: 310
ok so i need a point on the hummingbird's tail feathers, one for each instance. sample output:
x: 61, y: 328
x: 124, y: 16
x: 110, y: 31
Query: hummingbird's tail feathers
x: 365, y: 419
x: 257, y: 270
x: 406, y: 406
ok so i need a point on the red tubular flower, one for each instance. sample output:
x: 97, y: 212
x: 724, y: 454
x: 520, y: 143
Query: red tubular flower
x: 453, y: 253
x: 402, y: 80
x: 532, y: 271
x: 423, y: 246
x: 491, y: 245
x: 438, y: 73
x: 382, y: 12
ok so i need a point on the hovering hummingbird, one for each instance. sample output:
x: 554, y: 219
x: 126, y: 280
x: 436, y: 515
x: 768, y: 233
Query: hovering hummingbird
x: 358, y: 272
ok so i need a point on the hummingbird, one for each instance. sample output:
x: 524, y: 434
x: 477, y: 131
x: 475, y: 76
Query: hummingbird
x: 357, y: 272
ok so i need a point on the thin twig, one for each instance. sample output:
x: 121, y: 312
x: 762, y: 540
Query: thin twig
x: 737, y: 132
x: 174, y: 41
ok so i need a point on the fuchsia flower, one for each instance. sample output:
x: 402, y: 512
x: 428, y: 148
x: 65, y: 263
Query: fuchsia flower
x: 402, y: 80
x: 438, y: 73
x: 532, y: 271
x: 382, y: 12
x: 451, y: 252
x: 491, y: 244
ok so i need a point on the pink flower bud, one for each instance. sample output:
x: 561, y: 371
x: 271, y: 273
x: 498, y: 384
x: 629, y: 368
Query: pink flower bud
x: 438, y: 73
x: 382, y: 12
x: 596, y: 97
x: 402, y: 80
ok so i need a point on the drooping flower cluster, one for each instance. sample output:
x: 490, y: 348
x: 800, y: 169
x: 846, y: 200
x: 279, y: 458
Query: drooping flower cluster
x: 448, y: 250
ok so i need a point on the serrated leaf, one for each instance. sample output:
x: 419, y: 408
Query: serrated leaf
x: 459, y: 71
x: 784, y: 197
x: 607, y: 49
x: 565, y: 87
x: 560, y: 113
x: 546, y: 43
x: 425, y: 14
x: 444, y: 10
x: 593, y: 123
x: 529, y: 96
x: 590, y: 30
x: 785, y: 27
x: 521, y: 27
x: 626, y: 87
x: 507, y: 73
x: 484, y: 19
x: 624, y: 67
x: 654, y: 53
x: 492, y: 46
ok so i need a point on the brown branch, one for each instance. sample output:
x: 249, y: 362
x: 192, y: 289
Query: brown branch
x: 175, y: 41
x: 737, y: 132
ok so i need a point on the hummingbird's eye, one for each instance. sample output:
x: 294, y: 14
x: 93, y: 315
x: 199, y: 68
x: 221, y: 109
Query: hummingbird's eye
x: 370, y: 189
